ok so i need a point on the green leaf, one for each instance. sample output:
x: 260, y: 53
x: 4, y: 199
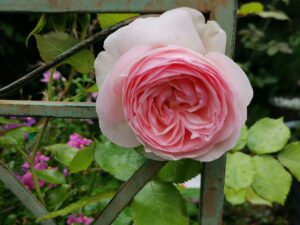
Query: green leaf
x: 124, y: 218
x: 6, y: 121
x: 251, y: 8
x: 159, y: 203
x: 78, y: 205
x: 242, y: 140
x: 118, y: 161
x: 59, y: 22
x: 290, y: 158
x: 107, y: 20
x: 235, y: 197
x: 19, y: 133
x: 92, y: 89
x: 52, y: 176
x: 84, y: 20
x: 38, y: 28
x: 83, y: 159
x: 8, y: 141
x: 254, y: 199
x: 239, y: 171
x: 278, y: 15
x: 268, y: 135
x: 57, y: 196
x: 179, y: 171
x: 271, y: 181
x: 63, y: 153
x: 53, y: 44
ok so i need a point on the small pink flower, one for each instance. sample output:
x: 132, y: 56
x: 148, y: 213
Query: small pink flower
x: 56, y: 76
x: 27, y: 180
x: 81, y: 219
x: 40, y: 163
x: 77, y: 141
x: 66, y: 172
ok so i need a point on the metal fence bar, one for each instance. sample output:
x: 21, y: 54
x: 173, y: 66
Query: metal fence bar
x: 147, y: 6
x: 48, y: 109
x: 128, y: 190
x: 212, y: 188
x: 23, y: 194
x: 213, y: 173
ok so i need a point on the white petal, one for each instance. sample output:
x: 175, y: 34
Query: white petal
x: 213, y: 37
x: 174, y: 27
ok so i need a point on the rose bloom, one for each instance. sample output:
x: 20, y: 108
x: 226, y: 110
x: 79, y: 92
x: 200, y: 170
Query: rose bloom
x: 166, y: 83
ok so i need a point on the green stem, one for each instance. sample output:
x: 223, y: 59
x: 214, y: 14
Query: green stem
x: 31, y: 162
x: 23, y: 153
x: 93, y: 182
x: 50, y: 85
x: 69, y: 83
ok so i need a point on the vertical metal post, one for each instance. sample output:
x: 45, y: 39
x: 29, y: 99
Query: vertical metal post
x: 213, y: 173
x: 212, y: 188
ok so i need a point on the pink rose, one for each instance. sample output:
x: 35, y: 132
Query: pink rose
x: 165, y: 83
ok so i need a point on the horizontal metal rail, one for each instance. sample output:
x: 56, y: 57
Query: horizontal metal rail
x: 48, y: 109
x: 148, y: 6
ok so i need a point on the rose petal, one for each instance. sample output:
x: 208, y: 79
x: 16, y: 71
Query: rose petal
x: 235, y: 75
x: 174, y: 27
x: 119, y: 133
x: 213, y: 37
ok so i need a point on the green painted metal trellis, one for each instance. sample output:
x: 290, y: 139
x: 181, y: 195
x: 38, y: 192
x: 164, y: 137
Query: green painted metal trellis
x: 211, y: 199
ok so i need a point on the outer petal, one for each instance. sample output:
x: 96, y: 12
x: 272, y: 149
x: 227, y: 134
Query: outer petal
x: 118, y: 132
x: 174, y: 27
x: 211, y: 34
x: 235, y: 75
x: 109, y: 102
x: 220, y: 148
x: 213, y: 37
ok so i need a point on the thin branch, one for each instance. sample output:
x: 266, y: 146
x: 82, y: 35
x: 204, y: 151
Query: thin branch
x: 76, y: 48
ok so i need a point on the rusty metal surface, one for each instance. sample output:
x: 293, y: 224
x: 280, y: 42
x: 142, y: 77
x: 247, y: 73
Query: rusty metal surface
x: 212, y: 189
x: 48, y: 109
x: 99, y: 5
x: 128, y: 190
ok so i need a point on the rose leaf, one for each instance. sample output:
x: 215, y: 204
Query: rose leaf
x: 239, y: 170
x: 179, y: 171
x: 53, y: 44
x: 290, y: 158
x: 119, y: 161
x: 159, y: 203
x: 271, y: 181
x: 268, y: 135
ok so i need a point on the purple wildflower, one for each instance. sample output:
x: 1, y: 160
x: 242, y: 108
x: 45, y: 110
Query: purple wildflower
x: 27, y: 180
x: 81, y: 219
x: 11, y: 126
x: 56, y: 76
x: 40, y: 163
x: 29, y: 121
x: 77, y: 141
